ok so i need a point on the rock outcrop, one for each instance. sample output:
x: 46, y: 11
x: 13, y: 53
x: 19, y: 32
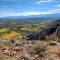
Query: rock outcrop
x: 58, y: 32
x: 49, y: 28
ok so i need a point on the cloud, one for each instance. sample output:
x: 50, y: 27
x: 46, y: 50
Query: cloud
x: 28, y: 13
x: 4, y: 14
x: 58, y: 5
x: 44, y: 1
x: 55, y: 10
x: 38, y: 2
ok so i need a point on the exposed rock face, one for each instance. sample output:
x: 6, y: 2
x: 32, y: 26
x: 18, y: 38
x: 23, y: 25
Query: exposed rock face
x: 37, y: 36
x: 48, y: 29
x: 58, y: 32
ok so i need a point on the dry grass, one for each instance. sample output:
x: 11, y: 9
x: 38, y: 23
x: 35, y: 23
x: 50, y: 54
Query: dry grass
x: 40, y: 47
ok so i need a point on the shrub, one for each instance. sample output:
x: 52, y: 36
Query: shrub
x: 58, y: 40
x: 53, y: 43
x: 6, y: 43
x: 52, y: 57
x: 23, y: 57
x: 12, y: 41
x: 40, y: 47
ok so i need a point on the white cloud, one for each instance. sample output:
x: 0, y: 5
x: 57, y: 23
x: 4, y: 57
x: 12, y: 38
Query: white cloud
x: 38, y: 2
x: 44, y: 1
x: 4, y: 14
x: 58, y: 5
x: 29, y: 13
x: 56, y: 11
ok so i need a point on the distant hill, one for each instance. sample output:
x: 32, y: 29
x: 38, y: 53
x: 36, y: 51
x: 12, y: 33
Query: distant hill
x: 54, y: 16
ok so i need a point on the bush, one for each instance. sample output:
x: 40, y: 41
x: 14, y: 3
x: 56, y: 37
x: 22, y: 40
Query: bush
x: 58, y: 40
x: 52, y: 57
x: 6, y: 43
x: 23, y: 58
x: 40, y: 48
x: 53, y: 43
x: 12, y: 41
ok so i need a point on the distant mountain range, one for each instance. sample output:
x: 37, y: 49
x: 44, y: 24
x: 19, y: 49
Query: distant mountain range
x: 33, y: 17
x: 56, y: 15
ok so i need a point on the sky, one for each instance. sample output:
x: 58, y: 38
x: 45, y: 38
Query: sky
x: 28, y: 7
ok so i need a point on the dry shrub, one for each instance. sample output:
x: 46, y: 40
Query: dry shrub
x: 24, y: 57
x: 40, y: 47
x: 30, y: 50
x: 52, y: 37
x: 12, y: 41
x: 53, y: 57
x: 6, y: 43
x: 58, y: 40
x: 52, y: 43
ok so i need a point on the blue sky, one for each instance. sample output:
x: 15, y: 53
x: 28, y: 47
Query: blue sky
x: 28, y: 7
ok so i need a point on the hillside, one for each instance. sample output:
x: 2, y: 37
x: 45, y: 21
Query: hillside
x: 18, y: 27
x: 23, y: 40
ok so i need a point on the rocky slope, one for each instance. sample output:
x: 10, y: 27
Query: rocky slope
x: 49, y: 28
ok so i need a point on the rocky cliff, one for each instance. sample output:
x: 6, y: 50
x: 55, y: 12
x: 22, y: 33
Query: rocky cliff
x: 49, y: 28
